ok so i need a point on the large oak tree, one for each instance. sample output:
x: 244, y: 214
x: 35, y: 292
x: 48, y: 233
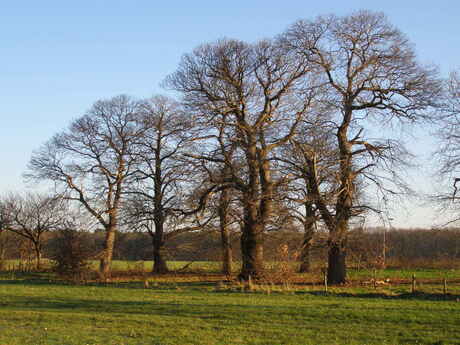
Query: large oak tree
x: 252, y: 98
x: 371, y: 74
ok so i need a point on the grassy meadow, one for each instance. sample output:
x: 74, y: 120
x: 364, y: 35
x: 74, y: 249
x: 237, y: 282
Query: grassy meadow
x: 191, y: 308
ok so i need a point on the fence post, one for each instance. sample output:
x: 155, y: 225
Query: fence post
x: 325, y: 279
x: 413, y: 283
x: 375, y: 278
x: 445, y: 286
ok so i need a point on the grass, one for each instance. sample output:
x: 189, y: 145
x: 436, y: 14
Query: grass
x: 215, y: 266
x: 124, y: 265
x: 201, y: 266
x: 35, y: 309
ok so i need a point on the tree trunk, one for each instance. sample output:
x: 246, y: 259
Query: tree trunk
x: 225, y: 232
x: 159, y: 262
x: 107, y: 254
x: 227, y: 253
x: 252, y: 252
x: 305, y: 262
x: 309, y: 230
x: 336, y: 270
x: 257, y: 207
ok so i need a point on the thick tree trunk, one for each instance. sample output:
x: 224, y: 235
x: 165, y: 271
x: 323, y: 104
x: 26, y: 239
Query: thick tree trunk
x: 309, y: 230
x: 227, y: 253
x: 257, y: 209
x: 252, y: 252
x: 225, y: 232
x: 336, y: 270
x: 305, y: 261
x: 107, y: 254
x: 159, y: 262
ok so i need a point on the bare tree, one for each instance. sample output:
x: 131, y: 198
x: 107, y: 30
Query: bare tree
x: 5, y: 222
x: 158, y: 186
x: 91, y: 162
x: 371, y: 74
x: 225, y: 207
x: 225, y: 203
x: 312, y: 148
x: 4, y: 216
x: 448, y: 152
x: 32, y: 215
x: 252, y: 97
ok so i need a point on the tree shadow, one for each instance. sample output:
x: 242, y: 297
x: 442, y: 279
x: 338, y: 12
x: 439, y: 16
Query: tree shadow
x: 29, y: 279
x: 418, y: 295
x: 171, y: 308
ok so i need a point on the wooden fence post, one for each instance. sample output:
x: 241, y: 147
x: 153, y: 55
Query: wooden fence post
x: 325, y: 279
x: 413, y: 283
x: 375, y: 278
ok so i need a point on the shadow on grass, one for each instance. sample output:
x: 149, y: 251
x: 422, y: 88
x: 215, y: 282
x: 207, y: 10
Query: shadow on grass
x: 198, y: 285
x: 185, y: 309
x: 168, y: 308
x: 48, y: 279
x: 20, y: 278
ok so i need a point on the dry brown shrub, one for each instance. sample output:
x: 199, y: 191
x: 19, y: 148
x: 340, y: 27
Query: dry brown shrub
x: 71, y: 257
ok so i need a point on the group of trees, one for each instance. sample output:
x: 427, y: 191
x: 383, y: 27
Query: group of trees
x: 293, y: 131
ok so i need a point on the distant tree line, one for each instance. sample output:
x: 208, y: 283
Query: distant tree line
x: 282, y: 136
x: 405, y: 248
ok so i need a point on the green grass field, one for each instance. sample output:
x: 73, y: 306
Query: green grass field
x: 36, y: 309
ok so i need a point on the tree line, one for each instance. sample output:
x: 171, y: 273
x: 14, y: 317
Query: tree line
x: 296, y: 131
x: 404, y: 248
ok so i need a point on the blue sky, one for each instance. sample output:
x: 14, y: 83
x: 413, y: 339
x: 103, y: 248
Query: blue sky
x: 58, y: 57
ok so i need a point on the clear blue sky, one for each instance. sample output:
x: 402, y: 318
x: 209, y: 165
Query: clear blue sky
x: 58, y: 57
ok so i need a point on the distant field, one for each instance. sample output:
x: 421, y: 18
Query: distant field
x: 203, y: 266
x: 214, y: 266
x: 35, y: 309
x: 120, y: 267
x: 124, y: 265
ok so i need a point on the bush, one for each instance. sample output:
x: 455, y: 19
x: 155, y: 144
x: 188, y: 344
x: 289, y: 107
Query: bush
x: 71, y: 255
